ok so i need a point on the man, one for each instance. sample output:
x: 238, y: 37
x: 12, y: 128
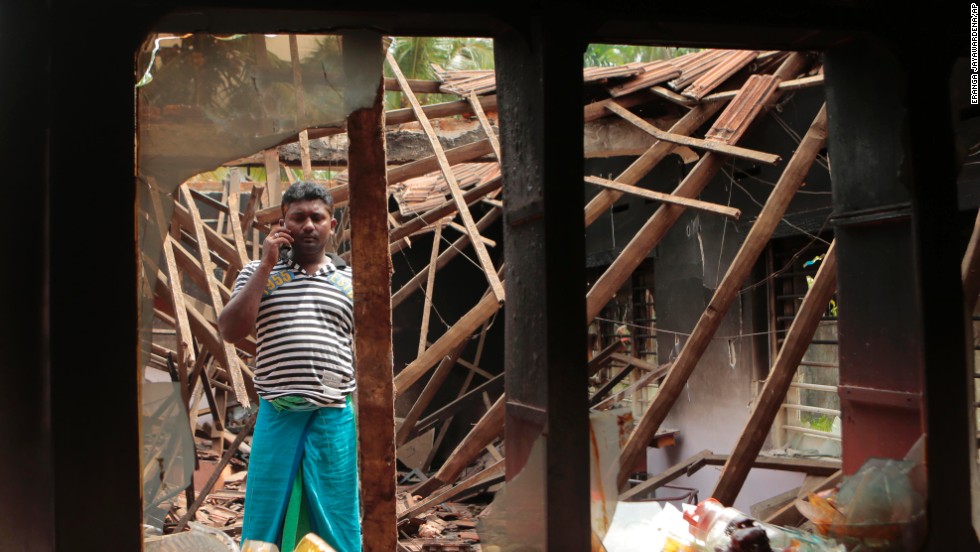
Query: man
x: 300, y: 303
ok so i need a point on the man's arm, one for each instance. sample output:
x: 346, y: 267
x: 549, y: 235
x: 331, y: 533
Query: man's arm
x: 238, y: 317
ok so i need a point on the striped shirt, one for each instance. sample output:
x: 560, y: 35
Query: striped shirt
x: 304, y: 333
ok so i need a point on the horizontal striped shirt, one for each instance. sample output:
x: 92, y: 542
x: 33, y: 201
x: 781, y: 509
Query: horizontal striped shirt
x: 304, y: 333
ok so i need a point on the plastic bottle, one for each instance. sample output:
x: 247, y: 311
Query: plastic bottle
x: 714, y: 524
x: 711, y: 520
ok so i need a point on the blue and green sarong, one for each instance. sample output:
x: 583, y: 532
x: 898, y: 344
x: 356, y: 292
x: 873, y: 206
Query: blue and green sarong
x: 314, y: 451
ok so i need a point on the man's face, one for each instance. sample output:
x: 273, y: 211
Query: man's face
x: 310, y: 224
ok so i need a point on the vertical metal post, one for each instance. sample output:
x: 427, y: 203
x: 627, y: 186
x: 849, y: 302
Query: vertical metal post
x: 904, y: 366
x: 540, y: 90
x: 881, y: 363
x: 945, y: 323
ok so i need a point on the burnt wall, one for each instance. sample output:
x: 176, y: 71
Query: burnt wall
x: 690, y: 262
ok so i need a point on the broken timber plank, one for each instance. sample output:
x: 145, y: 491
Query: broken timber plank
x: 222, y: 208
x: 769, y: 506
x: 192, y: 268
x: 458, y: 333
x: 202, y: 328
x: 493, y: 385
x: 371, y: 263
x: 601, y: 392
x: 183, y: 337
x: 304, y: 151
x: 672, y: 96
x: 304, y: 139
x: 789, y: 515
x: 644, y: 381
x: 416, y: 85
x: 227, y: 356
x: 777, y: 384
x: 271, y: 159
x: 761, y: 93
x: 685, y: 467
x: 487, y: 476
x: 217, y: 414
x: 428, y: 393
x: 203, y: 494
x: 665, y: 198
x: 222, y: 212
x: 738, y: 271
x: 808, y: 466
x: 393, y: 224
x: 646, y: 162
x: 450, y: 252
x: 490, y: 427
x: 971, y: 268
x: 462, y: 229
x: 464, y: 212
x: 441, y: 434
x: 234, y: 215
x: 641, y: 364
x: 248, y: 217
x: 431, y: 216
x: 407, y: 115
x: 603, y: 356
x: 734, y: 151
x: 217, y: 243
x: 478, y: 109
x: 597, y: 110
x: 200, y: 368
x: 203, y: 358
x: 273, y: 213
x: 474, y: 368
x: 429, y: 290
x: 796, y: 84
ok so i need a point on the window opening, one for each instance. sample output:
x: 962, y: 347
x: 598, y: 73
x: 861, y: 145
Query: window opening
x: 810, y: 417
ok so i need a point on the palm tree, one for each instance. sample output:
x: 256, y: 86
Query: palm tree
x: 606, y: 55
x: 416, y: 54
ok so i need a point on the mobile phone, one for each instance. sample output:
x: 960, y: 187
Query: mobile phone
x: 284, y: 248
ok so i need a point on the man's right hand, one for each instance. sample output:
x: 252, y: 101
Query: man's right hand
x: 237, y: 319
x: 277, y: 238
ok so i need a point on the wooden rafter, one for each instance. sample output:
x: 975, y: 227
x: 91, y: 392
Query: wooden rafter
x: 402, y: 435
x: 184, y: 337
x: 458, y: 333
x: 491, y: 135
x: 697, y: 143
x: 696, y: 204
x: 490, y: 427
x: 777, y: 384
x: 650, y: 159
x: 656, y: 227
x: 738, y: 271
x: 429, y: 289
x: 461, y: 204
x: 227, y: 357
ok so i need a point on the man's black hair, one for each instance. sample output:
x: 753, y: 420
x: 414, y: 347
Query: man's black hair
x: 305, y: 191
